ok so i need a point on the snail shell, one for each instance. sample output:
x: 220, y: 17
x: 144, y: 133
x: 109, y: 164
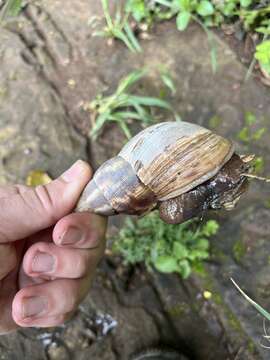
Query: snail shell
x: 160, y: 163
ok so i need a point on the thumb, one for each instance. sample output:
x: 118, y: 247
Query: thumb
x: 36, y: 209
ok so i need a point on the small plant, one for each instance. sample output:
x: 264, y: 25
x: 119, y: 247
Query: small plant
x: 259, y: 308
x: 253, y: 15
x: 247, y: 134
x: 123, y: 106
x: 263, y: 55
x: 118, y: 28
x: 10, y: 8
x: 168, y: 248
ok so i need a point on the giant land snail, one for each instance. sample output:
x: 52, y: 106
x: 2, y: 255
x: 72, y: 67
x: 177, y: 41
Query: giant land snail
x: 179, y: 168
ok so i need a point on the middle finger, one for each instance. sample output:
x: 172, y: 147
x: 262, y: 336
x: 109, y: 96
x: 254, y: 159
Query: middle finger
x: 51, y: 261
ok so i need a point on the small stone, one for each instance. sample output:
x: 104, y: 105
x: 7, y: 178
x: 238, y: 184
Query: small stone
x: 71, y: 83
x: 207, y: 294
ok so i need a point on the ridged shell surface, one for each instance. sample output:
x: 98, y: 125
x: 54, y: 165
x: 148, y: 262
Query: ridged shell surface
x: 173, y: 157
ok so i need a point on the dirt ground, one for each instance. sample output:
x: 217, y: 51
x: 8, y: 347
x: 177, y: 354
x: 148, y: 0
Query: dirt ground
x: 50, y: 67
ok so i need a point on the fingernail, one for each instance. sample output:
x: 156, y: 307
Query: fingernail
x: 72, y: 235
x: 74, y: 171
x: 43, y: 262
x: 34, y: 306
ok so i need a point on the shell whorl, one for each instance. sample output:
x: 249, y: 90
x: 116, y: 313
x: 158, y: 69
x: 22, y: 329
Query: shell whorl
x: 115, y: 188
x: 93, y: 200
x: 171, y: 158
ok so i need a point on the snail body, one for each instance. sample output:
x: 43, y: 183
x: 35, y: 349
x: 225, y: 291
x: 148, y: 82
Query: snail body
x: 173, y: 166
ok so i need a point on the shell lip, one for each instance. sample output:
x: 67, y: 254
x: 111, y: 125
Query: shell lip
x: 202, y: 179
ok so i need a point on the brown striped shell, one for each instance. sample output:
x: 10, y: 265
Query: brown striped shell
x: 160, y: 163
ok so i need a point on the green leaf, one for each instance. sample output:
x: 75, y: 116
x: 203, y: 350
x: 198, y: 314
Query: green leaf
x: 100, y: 121
x: 184, y: 268
x: 166, y: 264
x: 250, y: 118
x: 184, y: 5
x: 125, y: 129
x: 210, y: 228
x: 10, y: 8
x: 203, y: 244
x: 258, y: 134
x: 137, y: 8
x: 179, y: 250
x: 205, y: 8
x: 15, y: 7
x: 182, y: 20
x: 258, y: 165
x: 151, y: 101
x: 122, y: 36
x: 244, y: 135
x: 168, y: 81
x: 132, y: 38
x: 130, y: 79
x: 263, y: 51
x: 245, y: 3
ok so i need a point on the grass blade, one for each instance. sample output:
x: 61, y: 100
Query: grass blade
x: 132, y: 37
x: 125, y: 129
x: 12, y: 8
x: 100, y: 121
x: 128, y: 115
x: 151, y: 101
x: 252, y: 302
x: 121, y: 122
x: 130, y: 79
x: 144, y: 114
x: 211, y: 41
x: 105, y: 6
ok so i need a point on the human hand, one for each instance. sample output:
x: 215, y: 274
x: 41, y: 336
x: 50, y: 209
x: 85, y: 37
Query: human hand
x: 47, y: 254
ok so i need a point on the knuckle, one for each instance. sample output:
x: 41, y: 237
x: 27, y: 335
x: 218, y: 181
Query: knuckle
x: 82, y: 265
x: 46, y: 201
x: 71, y: 296
x: 8, y: 254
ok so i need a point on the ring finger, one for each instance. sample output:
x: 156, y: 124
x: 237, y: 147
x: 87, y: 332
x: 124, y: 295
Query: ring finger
x: 50, y: 303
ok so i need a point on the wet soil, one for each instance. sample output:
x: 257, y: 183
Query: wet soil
x: 50, y: 68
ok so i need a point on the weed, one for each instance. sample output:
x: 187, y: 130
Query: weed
x: 263, y: 55
x: 253, y: 15
x: 118, y: 28
x: 10, y: 8
x: 123, y: 106
x: 247, y: 134
x: 168, y: 248
x: 259, y: 308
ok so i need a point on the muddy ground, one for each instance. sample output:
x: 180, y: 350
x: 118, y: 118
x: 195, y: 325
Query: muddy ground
x: 50, y: 67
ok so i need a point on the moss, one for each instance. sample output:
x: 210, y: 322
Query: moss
x: 234, y: 326
x: 267, y: 204
x: 178, y: 309
x: 239, y: 250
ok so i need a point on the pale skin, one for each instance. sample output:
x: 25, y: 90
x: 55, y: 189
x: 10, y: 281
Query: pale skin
x: 48, y: 254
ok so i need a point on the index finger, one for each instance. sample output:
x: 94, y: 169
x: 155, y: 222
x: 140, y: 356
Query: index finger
x: 8, y: 259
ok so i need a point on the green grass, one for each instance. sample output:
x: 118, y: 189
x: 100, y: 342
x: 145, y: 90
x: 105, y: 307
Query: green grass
x: 260, y: 309
x: 9, y: 9
x: 248, y: 134
x: 254, y: 16
x: 123, y: 105
x: 118, y: 27
x: 167, y: 248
